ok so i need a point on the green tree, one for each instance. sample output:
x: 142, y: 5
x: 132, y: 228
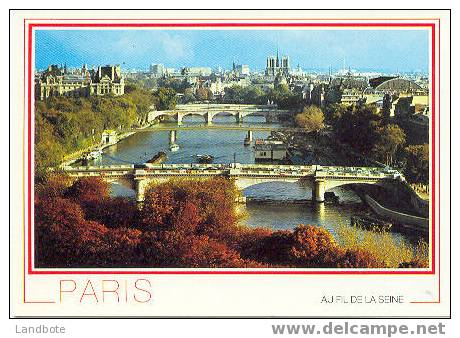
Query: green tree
x: 165, y: 98
x: 357, y: 126
x: 189, y: 96
x: 417, y: 163
x: 386, y: 107
x: 391, y: 138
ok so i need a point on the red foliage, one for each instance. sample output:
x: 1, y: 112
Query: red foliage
x: 89, y: 189
x: 54, y: 186
x: 276, y: 247
x: 248, y: 241
x: 122, y: 249
x: 176, y: 249
x: 63, y: 236
x: 210, y: 203
x: 187, y: 219
x: 114, y: 212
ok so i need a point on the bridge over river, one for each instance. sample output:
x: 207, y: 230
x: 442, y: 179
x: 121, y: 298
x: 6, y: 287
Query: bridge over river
x: 209, y: 111
x: 319, y: 178
x: 174, y: 129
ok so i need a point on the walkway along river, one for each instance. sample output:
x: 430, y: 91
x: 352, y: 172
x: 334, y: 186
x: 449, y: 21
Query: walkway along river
x: 276, y: 205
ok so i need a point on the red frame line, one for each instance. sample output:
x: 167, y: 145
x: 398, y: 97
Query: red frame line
x: 30, y: 269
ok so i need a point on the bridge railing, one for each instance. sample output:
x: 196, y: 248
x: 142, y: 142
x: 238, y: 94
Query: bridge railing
x: 239, y: 169
x: 100, y: 167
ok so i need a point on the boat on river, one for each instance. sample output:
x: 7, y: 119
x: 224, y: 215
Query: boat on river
x: 205, y: 159
x: 92, y: 155
x: 174, y: 147
x: 158, y: 158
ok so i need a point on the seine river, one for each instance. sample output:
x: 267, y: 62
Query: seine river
x: 275, y: 205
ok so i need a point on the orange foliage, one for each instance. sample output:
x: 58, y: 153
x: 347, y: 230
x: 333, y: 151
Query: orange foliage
x: 312, y: 245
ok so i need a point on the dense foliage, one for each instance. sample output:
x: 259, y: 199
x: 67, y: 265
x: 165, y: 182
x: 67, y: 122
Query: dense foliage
x: 417, y: 163
x: 64, y: 124
x: 183, y: 223
x: 280, y: 95
x: 371, y: 133
x: 366, y: 130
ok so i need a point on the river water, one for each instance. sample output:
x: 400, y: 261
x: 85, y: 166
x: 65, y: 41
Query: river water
x: 274, y: 205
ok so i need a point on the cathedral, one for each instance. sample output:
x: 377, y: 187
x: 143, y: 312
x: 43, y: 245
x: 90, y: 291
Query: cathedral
x: 277, y: 65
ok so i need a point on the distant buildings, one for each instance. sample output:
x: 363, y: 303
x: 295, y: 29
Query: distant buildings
x: 240, y: 70
x: 59, y: 81
x: 157, y: 70
x: 196, y: 71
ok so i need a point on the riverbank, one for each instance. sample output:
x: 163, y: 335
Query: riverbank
x: 77, y: 156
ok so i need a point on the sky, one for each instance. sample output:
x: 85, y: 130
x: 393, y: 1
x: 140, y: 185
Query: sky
x: 364, y: 50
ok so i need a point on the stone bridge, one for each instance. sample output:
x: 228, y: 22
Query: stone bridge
x: 319, y: 178
x: 208, y: 111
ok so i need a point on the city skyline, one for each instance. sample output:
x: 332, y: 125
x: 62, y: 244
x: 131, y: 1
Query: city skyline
x: 363, y: 50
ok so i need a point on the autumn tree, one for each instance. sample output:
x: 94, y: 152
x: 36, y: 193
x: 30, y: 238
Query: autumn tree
x: 311, y: 119
x: 203, y: 94
x: 88, y: 189
x: 211, y: 202
x: 63, y: 237
x: 182, y: 224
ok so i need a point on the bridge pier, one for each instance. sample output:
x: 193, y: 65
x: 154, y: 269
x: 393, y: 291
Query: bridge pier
x: 239, y: 117
x: 319, y: 190
x: 172, y: 136
x: 209, y: 117
x: 179, y: 119
x: 140, y: 185
x: 248, y: 138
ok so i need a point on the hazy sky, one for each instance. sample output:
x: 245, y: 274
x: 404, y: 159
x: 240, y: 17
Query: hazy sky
x: 380, y: 50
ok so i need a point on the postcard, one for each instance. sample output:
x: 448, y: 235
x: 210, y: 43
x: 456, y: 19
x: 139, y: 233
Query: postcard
x: 230, y: 163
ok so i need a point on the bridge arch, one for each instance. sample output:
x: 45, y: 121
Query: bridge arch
x: 255, y: 113
x: 153, y: 115
x: 359, y: 189
x: 331, y: 183
x: 187, y: 115
x: 222, y: 114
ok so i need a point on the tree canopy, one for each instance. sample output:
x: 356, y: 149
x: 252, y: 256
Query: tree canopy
x: 311, y: 119
x: 64, y: 124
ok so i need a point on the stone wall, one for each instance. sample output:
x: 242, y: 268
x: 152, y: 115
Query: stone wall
x: 420, y: 223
